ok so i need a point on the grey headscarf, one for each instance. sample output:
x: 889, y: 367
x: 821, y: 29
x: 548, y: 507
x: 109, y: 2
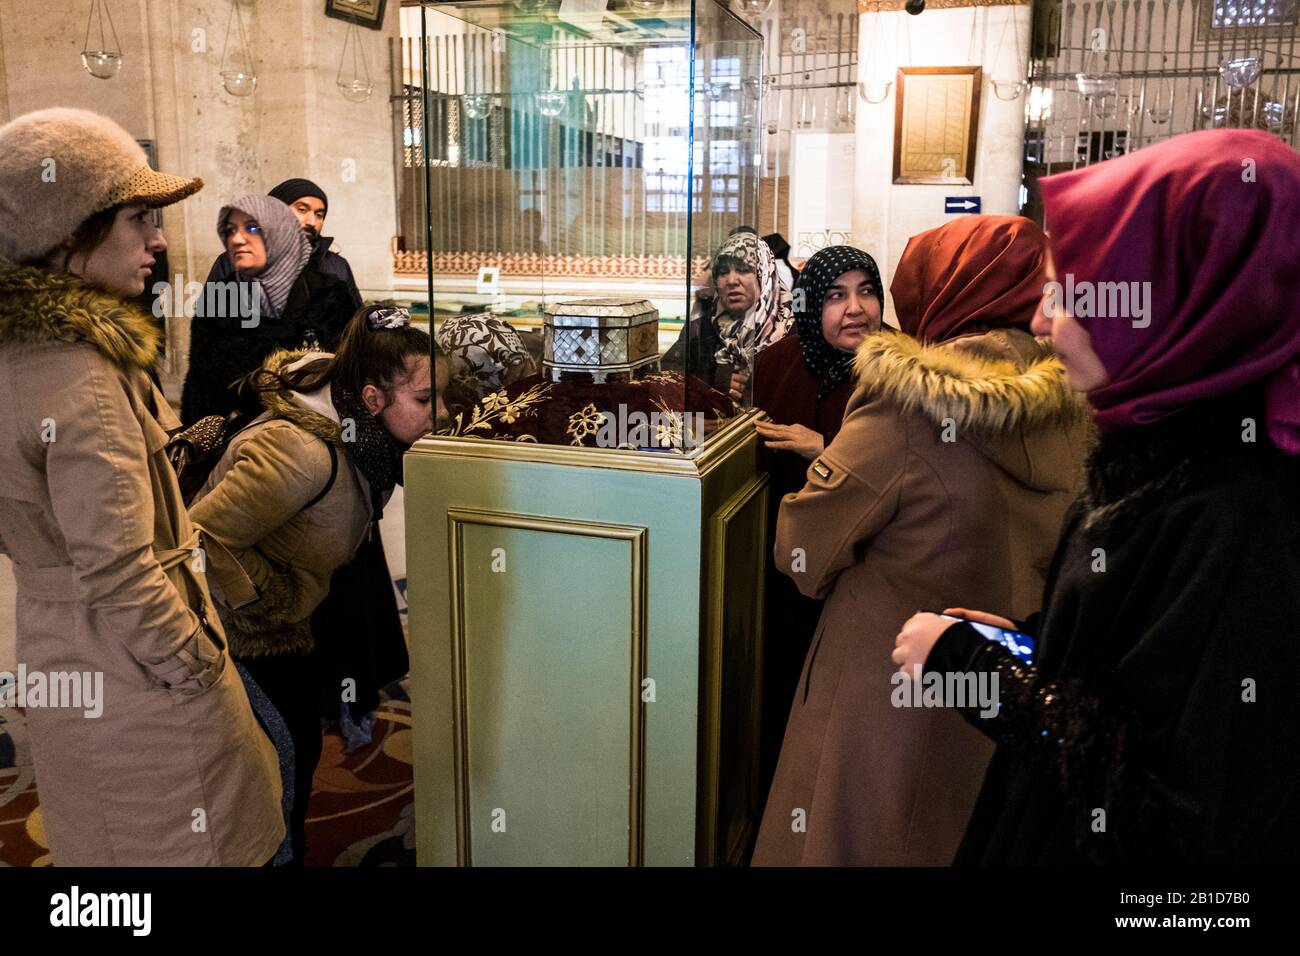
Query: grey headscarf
x: 287, y: 247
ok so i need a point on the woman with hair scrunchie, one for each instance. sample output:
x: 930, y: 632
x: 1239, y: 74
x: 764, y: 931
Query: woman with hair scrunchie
x: 297, y: 492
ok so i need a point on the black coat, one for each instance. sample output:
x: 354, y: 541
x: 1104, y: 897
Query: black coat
x: 694, y: 350
x: 1164, y: 688
x: 221, y: 350
x: 322, y: 259
x: 358, y: 632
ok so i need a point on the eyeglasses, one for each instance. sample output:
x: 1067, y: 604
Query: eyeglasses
x: 230, y: 229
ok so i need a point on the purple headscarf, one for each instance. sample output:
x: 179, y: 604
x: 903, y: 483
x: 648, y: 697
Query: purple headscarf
x: 1208, y: 219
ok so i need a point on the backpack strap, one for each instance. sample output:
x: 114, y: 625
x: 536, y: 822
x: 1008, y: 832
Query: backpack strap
x: 334, y: 470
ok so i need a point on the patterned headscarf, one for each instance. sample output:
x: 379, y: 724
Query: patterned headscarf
x: 831, y: 365
x: 488, y: 345
x: 287, y: 247
x: 768, y: 319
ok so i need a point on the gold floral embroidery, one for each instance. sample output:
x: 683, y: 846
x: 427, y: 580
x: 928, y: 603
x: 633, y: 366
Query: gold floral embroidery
x: 583, y: 423
x: 494, y: 407
x: 669, y: 425
x: 662, y: 378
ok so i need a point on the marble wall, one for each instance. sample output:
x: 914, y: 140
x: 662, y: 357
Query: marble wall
x: 296, y: 124
x: 885, y: 215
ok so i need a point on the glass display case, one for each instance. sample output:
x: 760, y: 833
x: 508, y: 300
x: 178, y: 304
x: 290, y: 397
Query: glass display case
x: 586, y: 531
x: 584, y: 151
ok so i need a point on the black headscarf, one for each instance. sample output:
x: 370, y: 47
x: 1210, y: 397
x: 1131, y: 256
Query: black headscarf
x: 780, y: 248
x: 781, y: 251
x: 294, y: 189
x: 832, y: 366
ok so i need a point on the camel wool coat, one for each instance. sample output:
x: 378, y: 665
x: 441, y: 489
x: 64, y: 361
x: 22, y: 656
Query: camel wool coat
x: 946, y: 486
x: 176, y: 770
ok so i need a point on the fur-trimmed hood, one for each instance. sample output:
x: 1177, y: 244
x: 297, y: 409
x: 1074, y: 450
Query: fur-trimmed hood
x: 38, y: 307
x: 338, y: 417
x: 280, y: 455
x: 996, y: 389
x: 312, y: 411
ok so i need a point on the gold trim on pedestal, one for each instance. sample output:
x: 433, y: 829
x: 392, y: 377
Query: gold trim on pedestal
x: 707, y: 827
x: 693, y: 464
x: 636, y: 537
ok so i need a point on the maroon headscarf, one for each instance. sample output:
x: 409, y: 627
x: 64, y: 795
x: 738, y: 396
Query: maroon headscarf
x: 1212, y: 221
x: 973, y: 274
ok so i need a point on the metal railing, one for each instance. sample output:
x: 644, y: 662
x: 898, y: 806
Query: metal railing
x: 810, y: 66
x: 499, y: 165
x: 531, y: 171
x: 1111, y: 76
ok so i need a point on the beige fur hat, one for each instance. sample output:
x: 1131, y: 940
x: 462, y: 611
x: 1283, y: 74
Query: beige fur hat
x: 60, y: 166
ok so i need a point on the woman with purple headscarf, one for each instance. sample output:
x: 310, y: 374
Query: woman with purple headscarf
x: 1158, y: 722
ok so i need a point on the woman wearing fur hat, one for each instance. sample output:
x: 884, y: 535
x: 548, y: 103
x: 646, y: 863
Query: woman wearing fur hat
x: 176, y: 770
x: 1159, y: 723
x: 297, y: 492
x: 959, y: 454
x: 275, y: 301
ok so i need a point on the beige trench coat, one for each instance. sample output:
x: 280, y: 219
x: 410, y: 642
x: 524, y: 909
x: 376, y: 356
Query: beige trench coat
x: 946, y: 486
x: 176, y: 770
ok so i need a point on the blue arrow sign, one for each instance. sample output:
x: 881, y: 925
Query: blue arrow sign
x: 969, y: 204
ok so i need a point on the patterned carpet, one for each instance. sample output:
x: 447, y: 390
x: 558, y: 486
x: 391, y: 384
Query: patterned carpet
x: 363, y: 803
x: 361, y: 810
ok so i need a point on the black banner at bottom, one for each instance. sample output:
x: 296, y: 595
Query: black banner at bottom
x: 418, y: 907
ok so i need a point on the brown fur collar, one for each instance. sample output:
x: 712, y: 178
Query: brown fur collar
x: 280, y: 405
x: 38, y: 307
x: 996, y: 381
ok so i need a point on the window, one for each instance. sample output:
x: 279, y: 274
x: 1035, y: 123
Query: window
x: 1266, y: 18
x: 1252, y: 13
x: 722, y: 91
x: 665, y: 173
x: 724, y: 176
x: 725, y: 157
x: 664, y: 77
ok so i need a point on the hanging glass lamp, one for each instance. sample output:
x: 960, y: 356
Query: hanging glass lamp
x: 237, y: 80
x: 103, y: 61
x: 357, y: 87
x: 1239, y: 72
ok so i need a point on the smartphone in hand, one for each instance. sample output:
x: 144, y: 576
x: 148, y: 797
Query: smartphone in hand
x: 1019, y: 644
